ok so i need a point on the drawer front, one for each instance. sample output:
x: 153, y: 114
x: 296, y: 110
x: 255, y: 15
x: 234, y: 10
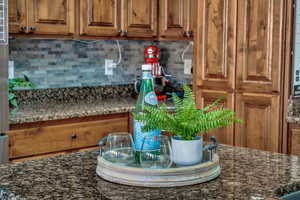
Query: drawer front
x: 41, y: 140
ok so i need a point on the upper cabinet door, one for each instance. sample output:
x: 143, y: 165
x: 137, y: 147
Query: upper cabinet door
x: 52, y: 17
x: 176, y: 18
x: 139, y: 18
x: 215, y: 48
x: 17, y: 16
x: 100, y: 17
x: 260, y: 45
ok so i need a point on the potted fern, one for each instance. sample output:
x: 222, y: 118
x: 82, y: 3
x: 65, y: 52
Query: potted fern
x: 187, y: 123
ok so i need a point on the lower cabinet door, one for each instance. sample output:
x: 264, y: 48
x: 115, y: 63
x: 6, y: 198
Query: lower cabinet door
x: 261, y: 127
x: 294, y: 139
x: 56, y: 138
x: 205, y: 97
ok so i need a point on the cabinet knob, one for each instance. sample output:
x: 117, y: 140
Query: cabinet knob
x: 23, y: 28
x: 120, y: 31
x: 73, y: 136
x: 33, y: 28
x: 124, y: 33
x: 190, y: 33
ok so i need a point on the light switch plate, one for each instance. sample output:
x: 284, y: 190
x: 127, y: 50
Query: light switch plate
x: 109, y: 67
x: 188, y: 66
x: 11, y: 69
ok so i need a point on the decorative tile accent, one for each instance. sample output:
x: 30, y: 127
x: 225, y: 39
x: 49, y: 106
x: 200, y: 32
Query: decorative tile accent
x: 61, y: 63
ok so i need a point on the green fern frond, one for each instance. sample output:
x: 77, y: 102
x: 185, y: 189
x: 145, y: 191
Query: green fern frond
x: 187, y: 121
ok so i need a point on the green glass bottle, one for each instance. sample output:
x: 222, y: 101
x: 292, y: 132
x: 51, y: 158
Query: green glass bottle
x: 147, y: 96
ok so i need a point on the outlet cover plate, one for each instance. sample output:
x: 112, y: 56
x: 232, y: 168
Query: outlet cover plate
x: 188, y: 66
x: 109, y: 67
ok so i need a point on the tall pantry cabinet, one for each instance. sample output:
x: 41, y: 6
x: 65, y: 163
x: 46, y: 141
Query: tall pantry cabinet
x: 238, y: 52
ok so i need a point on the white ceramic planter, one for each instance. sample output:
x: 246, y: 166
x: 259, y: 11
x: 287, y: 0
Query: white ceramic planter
x: 187, y: 152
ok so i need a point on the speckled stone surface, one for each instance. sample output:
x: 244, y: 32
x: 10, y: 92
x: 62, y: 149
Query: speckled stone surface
x: 73, y: 94
x: 57, y: 111
x: 293, y: 110
x: 65, y: 103
x: 246, y: 174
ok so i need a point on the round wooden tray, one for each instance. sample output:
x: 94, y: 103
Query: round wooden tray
x: 171, y: 177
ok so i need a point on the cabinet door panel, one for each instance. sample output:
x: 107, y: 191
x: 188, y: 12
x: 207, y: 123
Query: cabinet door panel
x: 172, y: 18
x: 140, y: 18
x: 17, y: 16
x: 261, y: 126
x: 204, y: 97
x: 260, y: 40
x: 294, y: 140
x: 100, y: 17
x: 216, y: 44
x: 52, y: 17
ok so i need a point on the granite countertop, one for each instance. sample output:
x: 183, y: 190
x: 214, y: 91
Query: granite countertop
x: 56, y: 111
x: 64, y: 103
x: 246, y: 174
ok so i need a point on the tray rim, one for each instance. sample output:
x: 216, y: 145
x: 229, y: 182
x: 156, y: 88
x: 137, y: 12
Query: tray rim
x: 213, y: 162
x: 168, y: 177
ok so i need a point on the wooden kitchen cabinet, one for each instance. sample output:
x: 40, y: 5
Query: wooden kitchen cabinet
x: 176, y: 18
x: 261, y: 127
x: 223, y: 135
x: 239, y: 50
x: 17, y: 16
x: 126, y: 18
x: 139, y: 18
x: 100, y: 18
x: 61, y: 136
x: 42, y: 16
x: 215, y: 45
x: 260, y: 45
x: 294, y: 139
x: 51, y: 17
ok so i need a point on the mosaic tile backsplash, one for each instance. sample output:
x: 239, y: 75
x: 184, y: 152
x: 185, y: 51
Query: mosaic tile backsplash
x: 62, y: 63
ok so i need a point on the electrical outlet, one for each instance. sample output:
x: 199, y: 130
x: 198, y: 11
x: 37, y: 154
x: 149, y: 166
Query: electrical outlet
x: 109, y: 67
x: 188, y: 66
x: 11, y: 69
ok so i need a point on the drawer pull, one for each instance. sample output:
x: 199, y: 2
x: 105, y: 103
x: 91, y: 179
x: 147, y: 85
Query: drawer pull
x: 73, y: 136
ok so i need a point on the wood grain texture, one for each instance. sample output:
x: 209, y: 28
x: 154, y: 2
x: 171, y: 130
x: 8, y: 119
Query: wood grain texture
x: 215, y: 44
x: 100, y: 17
x: 286, y: 83
x: 260, y: 45
x: 224, y: 135
x: 176, y: 17
x: 139, y: 18
x: 51, y: 17
x: 261, y: 127
x: 294, y: 139
x: 54, y: 138
x: 17, y: 16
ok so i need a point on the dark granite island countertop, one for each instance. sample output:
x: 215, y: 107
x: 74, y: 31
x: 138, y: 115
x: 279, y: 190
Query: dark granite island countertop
x: 246, y: 174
